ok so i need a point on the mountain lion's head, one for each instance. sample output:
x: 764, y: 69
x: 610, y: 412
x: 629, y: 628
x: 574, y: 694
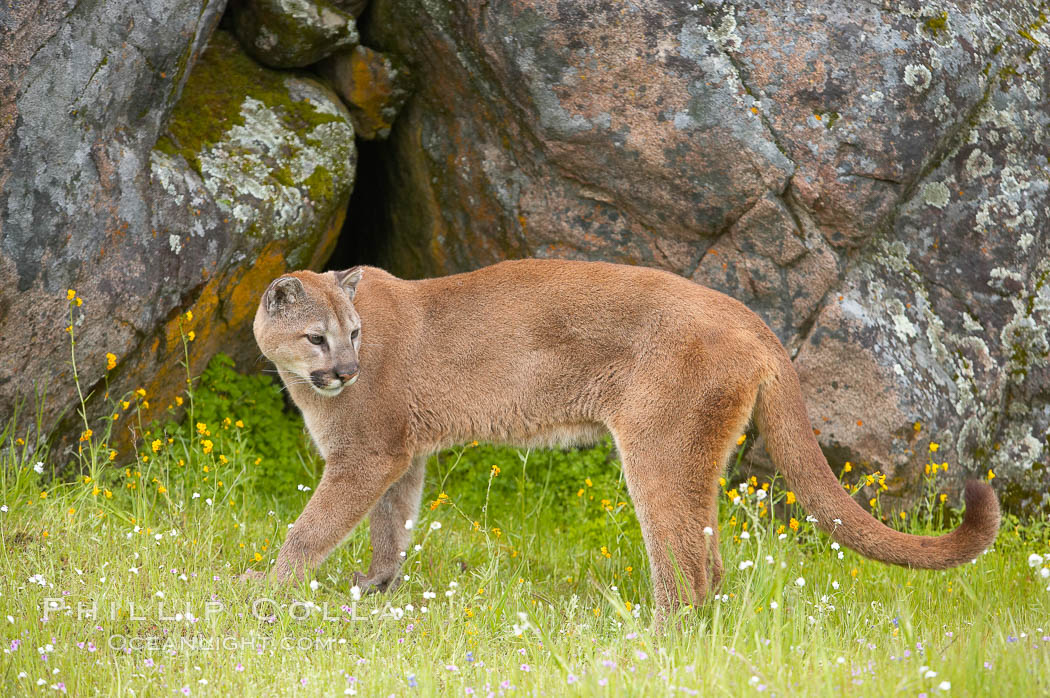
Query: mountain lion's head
x: 307, y: 326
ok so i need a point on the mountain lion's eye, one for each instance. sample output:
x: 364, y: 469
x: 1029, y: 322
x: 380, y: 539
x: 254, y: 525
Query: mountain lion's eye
x: 315, y: 338
x: 355, y: 334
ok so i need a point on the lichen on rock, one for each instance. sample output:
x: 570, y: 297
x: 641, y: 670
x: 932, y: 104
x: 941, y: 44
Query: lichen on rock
x: 274, y: 151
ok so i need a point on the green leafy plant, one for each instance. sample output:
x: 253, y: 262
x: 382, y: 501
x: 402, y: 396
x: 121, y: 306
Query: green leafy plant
x: 247, y: 411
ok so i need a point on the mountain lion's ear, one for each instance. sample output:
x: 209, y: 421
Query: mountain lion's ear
x: 349, y: 279
x: 282, y: 293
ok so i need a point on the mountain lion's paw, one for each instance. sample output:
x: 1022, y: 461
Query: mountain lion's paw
x: 375, y: 582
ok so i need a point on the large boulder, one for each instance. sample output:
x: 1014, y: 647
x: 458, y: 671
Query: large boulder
x: 252, y: 178
x: 85, y: 90
x: 148, y: 204
x: 871, y: 179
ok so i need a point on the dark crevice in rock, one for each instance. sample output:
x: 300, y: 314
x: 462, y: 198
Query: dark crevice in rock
x: 364, y: 235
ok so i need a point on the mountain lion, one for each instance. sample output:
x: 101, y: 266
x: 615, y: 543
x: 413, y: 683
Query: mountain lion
x: 555, y: 353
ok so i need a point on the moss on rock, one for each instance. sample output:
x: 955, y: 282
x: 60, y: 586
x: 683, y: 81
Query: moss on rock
x: 275, y: 150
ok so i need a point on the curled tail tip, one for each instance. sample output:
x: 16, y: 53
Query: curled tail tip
x: 982, y: 511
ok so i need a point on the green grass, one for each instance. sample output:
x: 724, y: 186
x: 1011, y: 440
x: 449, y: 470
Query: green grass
x: 508, y: 589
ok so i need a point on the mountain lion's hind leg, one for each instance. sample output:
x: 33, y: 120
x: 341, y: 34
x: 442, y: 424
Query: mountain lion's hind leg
x: 389, y: 531
x: 674, y: 503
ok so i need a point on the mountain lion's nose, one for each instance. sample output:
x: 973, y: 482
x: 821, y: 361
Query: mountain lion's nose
x: 346, y: 372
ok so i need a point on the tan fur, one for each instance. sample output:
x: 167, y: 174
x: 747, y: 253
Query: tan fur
x: 557, y: 352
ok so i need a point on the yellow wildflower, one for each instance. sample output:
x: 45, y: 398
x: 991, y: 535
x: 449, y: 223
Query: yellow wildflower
x: 740, y: 441
x: 86, y: 435
x: 141, y: 392
x: 789, y: 497
x: 178, y: 400
x: 991, y: 475
x: 847, y: 467
x: 495, y: 470
x: 191, y: 335
x: 189, y: 316
x: 934, y: 446
x: 207, y: 444
x: 71, y: 294
x: 111, y: 361
x: 239, y: 424
x: 157, y: 443
x: 793, y: 523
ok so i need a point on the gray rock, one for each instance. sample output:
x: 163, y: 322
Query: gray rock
x: 148, y: 204
x: 870, y: 178
x: 86, y: 89
x: 292, y: 33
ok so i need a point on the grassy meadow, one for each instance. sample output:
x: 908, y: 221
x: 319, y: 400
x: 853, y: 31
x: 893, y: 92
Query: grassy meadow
x: 119, y: 567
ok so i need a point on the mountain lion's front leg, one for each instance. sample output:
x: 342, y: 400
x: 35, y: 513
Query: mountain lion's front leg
x: 348, y: 489
x: 390, y: 531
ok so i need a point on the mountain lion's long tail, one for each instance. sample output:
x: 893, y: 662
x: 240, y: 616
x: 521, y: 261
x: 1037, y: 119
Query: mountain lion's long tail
x: 781, y: 417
